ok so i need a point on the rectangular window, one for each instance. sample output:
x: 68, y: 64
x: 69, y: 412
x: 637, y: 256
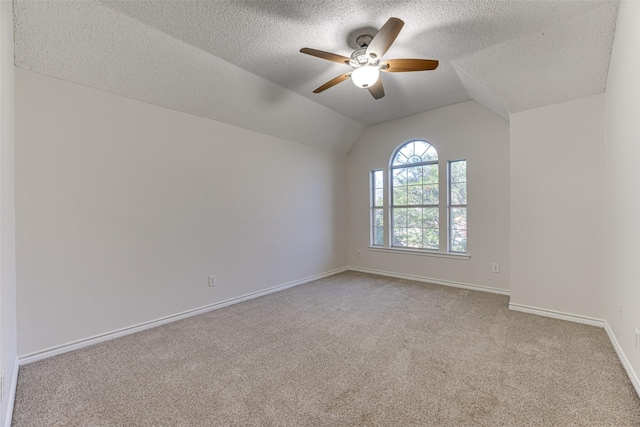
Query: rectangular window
x: 414, y: 202
x: 457, y: 177
x: 377, y: 206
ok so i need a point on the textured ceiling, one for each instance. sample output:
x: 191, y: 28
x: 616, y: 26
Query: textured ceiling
x: 239, y: 61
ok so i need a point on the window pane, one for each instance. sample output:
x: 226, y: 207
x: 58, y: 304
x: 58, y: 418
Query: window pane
x: 414, y: 175
x: 377, y: 178
x: 408, y: 149
x: 414, y: 237
x: 458, y: 170
x: 458, y: 218
x: 379, y: 197
x: 399, y: 236
x: 378, y: 218
x: 399, y: 217
x: 430, y: 174
x: 400, y: 159
x: 414, y: 217
x: 415, y: 195
x: 459, y: 194
x: 430, y: 194
x: 378, y: 236
x: 458, y: 232
x: 399, y: 196
x: 430, y: 154
x: 458, y: 241
x: 399, y: 177
x: 420, y: 147
x: 430, y: 218
x: 414, y: 159
x: 431, y: 238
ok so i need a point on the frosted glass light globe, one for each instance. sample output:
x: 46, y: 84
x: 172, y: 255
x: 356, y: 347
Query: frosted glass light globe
x: 365, y: 76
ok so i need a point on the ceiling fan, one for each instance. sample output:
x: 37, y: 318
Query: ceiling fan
x: 367, y: 62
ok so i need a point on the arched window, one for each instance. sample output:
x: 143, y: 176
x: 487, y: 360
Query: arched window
x: 415, y: 196
x: 415, y: 203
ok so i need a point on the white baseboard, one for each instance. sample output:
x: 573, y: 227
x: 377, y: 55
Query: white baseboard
x: 623, y: 359
x: 75, y: 345
x: 431, y: 280
x: 12, y: 394
x: 557, y: 315
x: 633, y: 377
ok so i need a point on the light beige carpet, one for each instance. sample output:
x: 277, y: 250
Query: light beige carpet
x: 349, y: 350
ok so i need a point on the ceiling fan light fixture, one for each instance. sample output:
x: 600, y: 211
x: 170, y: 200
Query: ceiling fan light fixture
x: 366, y: 60
x: 365, y: 76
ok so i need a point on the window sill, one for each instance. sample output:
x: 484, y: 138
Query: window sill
x: 435, y: 254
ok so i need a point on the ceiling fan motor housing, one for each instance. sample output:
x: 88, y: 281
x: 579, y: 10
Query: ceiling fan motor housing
x: 359, y: 58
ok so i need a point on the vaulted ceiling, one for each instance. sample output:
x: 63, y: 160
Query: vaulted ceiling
x: 238, y: 61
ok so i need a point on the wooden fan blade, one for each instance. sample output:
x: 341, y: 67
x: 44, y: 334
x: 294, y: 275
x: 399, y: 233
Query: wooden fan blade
x: 331, y: 83
x: 402, y: 65
x: 326, y: 55
x: 385, y: 38
x: 377, y: 90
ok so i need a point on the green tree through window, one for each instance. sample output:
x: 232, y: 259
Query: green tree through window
x: 458, y: 206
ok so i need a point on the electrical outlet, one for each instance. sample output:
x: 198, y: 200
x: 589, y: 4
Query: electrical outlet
x: 359, y: 253
x: 495, y: 267
x: 637, y: 339
x: 620, y: 312
x: 212, y: 280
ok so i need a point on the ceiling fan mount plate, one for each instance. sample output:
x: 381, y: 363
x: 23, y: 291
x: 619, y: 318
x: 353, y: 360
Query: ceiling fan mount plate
x: 363, y: 40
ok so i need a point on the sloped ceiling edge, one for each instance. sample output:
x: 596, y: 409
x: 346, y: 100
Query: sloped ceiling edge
x: 158, y: 69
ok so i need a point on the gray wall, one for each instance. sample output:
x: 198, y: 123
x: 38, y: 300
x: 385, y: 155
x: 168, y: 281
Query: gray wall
x: 124, y: 209
x: 622, y: 111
